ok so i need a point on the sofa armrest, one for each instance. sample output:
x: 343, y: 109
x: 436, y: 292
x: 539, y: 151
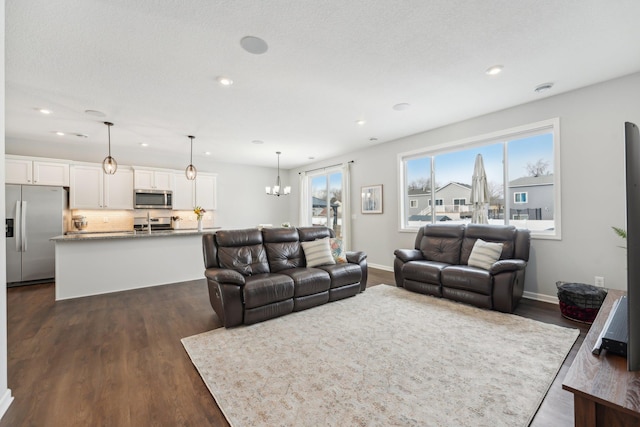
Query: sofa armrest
x: 507, y: 265
x: 360, y: 258
x: 226, y: 276
x: 407, y: 255
x: 356, y: 257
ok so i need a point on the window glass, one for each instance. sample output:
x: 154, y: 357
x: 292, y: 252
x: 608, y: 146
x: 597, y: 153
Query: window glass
x: 522, y: 161
x: 531, y: 181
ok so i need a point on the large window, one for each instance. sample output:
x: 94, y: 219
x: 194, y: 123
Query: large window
x: 521, y: 167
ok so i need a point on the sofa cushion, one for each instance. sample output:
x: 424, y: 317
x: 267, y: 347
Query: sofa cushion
x: 442, y: 242
x: 308, y: 281
x: 343, y: 274
x: 267, y: 288
x: 247, y: 260
x: 505, y: 234
x: 242, y: 251
x: 467, y: 278
x: 282, y: 248
x: 317, y: 252
x: 484, y: 254
x: 423, y: 271
x: 337, y: 250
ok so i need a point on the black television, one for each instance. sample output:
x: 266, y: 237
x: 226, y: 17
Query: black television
x: 632, y: 163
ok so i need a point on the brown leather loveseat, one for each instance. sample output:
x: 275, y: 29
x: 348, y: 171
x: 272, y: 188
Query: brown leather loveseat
x: 255, y: 275
x: 439, y: 264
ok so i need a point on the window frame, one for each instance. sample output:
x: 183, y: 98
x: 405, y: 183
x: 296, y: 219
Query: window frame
x: 413, y: 203
x: 520, y: 193
x: 503, y: 136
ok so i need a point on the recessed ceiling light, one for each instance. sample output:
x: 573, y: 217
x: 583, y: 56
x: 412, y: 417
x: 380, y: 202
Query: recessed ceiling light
x: 373, y: 139
x: 361, y: 122
x: 81, y: 135
x: 257, y: 141
x: 543, y: 87
x: 224, y: 81
x: 254, y: 45
x: 311, y: 158
x: 144, y: 144
x: 95, y: 113
x: 207, y: 153
x: 45, y: 111
x: 60, y: 133
x: 402, y: 106
x: 496, y: 69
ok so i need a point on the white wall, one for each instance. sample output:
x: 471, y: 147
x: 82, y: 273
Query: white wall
x: 5, y: 393
x: 592, y: 184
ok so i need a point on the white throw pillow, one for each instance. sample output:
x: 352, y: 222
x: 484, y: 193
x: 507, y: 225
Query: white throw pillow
x: 318, y: 252
x: 484, y: 254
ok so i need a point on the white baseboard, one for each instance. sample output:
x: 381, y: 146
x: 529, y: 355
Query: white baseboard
x: 380, y: 267
x: 5, y: 401
x: 540, y: 297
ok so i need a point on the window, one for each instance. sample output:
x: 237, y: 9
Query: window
x: 413, y: 203
x: 519, y: 197
x: 518, y: 162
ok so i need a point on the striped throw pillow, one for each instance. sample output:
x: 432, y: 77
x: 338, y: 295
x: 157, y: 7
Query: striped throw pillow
x: 484, y: 254
x: 317, y: 252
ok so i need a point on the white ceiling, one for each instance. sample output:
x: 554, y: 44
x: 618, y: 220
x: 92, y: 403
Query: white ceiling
x: 151, y: 67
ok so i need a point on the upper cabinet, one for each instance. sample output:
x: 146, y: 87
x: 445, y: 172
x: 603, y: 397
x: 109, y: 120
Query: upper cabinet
x: 152, y: 179
x: 206, y: 191
x: 91, y: 188
x: 23, y: 170
x: 189, y: 194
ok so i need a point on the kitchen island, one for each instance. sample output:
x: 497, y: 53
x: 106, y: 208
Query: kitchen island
x: 98, y: 263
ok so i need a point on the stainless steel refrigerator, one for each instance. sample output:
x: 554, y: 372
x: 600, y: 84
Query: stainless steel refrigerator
x: 34, y: 214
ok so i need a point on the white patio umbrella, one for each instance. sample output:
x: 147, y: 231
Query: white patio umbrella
x: 479, y: 193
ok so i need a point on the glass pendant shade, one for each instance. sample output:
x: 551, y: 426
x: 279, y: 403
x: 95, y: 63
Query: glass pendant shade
x: 191, y: 172
x: 276, y: 189
x: 109, y: 164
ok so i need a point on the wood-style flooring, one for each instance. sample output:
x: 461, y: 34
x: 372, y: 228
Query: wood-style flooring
x: 117, y: 360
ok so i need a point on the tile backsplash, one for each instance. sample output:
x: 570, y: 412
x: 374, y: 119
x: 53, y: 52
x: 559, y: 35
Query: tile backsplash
x: 113, y: 220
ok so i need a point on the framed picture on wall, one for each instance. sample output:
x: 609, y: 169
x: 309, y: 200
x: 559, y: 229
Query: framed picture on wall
x: 372, y: 199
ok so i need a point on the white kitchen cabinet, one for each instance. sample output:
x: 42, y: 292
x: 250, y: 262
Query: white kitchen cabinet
x: 206, y: 191
x: 35, y: 172
x: 91, y: 188
x: 152, y: 179
x: 188, y: 194
x: 183, y: 192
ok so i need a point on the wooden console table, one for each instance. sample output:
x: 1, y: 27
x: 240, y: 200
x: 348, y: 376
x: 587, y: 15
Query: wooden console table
x: 605, y: 393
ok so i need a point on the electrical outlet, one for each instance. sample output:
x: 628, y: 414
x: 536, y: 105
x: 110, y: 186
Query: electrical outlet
x: 599, y: 281
x: 105, y: 219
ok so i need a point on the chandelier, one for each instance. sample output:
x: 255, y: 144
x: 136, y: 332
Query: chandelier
x: 275, y: 190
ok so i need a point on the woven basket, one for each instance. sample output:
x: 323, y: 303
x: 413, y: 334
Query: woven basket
x: 579, y: 301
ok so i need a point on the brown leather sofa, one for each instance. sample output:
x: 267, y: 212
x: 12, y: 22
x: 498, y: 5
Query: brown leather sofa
x: 438, y: 265
x: 255, y: 275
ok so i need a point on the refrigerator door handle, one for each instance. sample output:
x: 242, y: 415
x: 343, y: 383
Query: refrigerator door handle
x: 23, y: 231
x: 18, y: 225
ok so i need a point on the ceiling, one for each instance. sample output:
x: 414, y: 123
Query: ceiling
x: 150, y: 66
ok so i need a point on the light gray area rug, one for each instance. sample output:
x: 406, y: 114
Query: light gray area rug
x: 386, y: 357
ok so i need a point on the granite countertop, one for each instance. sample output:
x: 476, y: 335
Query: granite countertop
x: 131, y: 234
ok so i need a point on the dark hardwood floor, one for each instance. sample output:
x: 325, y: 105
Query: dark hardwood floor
x: 117, y: 360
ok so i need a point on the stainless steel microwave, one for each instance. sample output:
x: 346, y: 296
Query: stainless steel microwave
x: 153, y: 199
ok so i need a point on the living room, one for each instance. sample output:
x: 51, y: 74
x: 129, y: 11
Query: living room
x: 590, y: 166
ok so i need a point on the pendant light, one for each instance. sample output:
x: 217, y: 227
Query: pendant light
x: 191, y: 171
x: 109, y: 164
x: 275, y: 190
